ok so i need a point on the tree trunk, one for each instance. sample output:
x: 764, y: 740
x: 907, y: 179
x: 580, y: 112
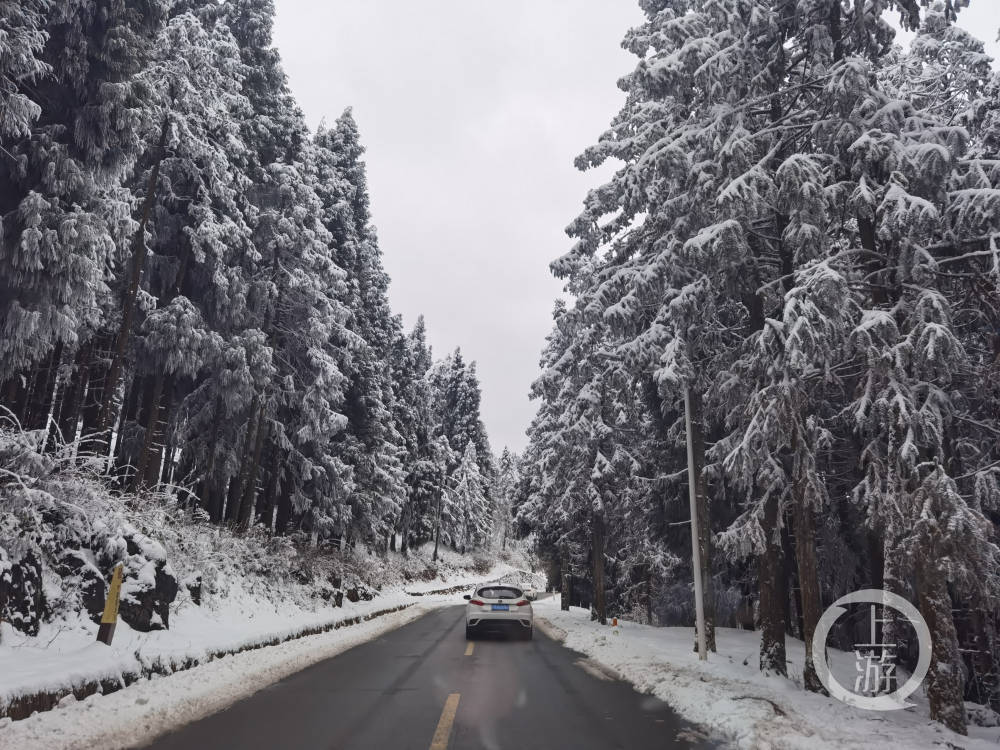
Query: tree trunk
x: 404, y: 541
x: 160, y: 454
x: 64, y: 401
x: 979, y: 645
x: 265, y: 508
x: 16, y: 394
x: 649, y: 595
x: 437, y: 530
x: 13, y: 395
x: 52, y: 427
x: 237, y: 482
x: 565, y: 579
x: 106, y: 415
x: 892, y: 629
x: 772, y: 593
x: 282, y: 519
x: 151, y: 418
x: 250, y: 488
x: 125, y: 456
x: 39, y: 405
x: 92, y: 440
x: 208, y: 494
x: 812, y: 604
x: 72, y: 398
x: 597, y: 553
x: 233, y: 492
x: 704, y: 518
x: 790, y: 601
x: 944, y: 679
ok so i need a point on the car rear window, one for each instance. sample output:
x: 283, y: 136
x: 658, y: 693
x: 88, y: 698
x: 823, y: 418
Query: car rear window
x: 500, y: 592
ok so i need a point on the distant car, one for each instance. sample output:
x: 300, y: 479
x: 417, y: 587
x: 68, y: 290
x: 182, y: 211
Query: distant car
x: 498, y: 608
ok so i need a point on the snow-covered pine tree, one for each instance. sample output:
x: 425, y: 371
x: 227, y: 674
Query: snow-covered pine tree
x: 300, y: 296
x: 20, y: 51
x: 425, y: 471
x: 972, y: 262
x: 196, y: 232
x: 64, y: 211
x: 505, y: 481
x: 370, y: 446
x: 572, y: 441
x: 924, y: 336
x: 456, y: 402
x: 472, y: 521
x: 748, y: 203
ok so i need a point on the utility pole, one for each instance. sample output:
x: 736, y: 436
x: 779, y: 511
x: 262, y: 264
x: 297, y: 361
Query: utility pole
x: 699, y: 604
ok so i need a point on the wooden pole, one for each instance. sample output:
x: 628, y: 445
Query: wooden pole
x: 110, y: 617
x: 699, y: 604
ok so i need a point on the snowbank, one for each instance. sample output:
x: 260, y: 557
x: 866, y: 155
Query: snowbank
x: 730, y: 697
x: 64, y: 658
x: 145, y: 710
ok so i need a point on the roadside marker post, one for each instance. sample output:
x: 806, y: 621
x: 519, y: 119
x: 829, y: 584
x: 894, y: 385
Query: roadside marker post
x: 110, y: 617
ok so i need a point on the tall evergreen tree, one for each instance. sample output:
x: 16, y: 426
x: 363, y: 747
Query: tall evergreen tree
x: 371, y: 445
x: 64, y: 210
x: 20, y: 50
x: 775, y: 244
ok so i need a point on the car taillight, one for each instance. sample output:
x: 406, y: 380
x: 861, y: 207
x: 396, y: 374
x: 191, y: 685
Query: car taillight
x: 476, y: 602
x: 522, y: 603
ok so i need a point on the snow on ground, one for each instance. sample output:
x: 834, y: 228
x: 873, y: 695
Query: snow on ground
x: 143, y: 711
x: 65, y: 655
x: 731, y: 698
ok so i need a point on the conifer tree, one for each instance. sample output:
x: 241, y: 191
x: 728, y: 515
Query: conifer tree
x: 504, y: 488
x: 794, y: 231
x: 64, y: 210
x: 371, y: 445
x: 20, y: 51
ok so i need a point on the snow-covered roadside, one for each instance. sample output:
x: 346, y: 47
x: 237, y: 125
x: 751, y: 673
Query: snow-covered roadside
x: 729, y: 697
x: 138, y: 714
x: 64, y: 657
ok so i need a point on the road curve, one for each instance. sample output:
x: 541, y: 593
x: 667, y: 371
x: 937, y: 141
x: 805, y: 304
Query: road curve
x: 420, y: 688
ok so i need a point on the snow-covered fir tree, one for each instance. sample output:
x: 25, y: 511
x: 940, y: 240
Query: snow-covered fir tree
x: 505, y: 481
x: 192, y: 288
x: 800, y: 221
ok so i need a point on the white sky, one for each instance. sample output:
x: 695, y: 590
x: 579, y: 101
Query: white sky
x: 472, y: 113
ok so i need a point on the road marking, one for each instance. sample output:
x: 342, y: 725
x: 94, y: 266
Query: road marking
x: 443, y: 732
x: 468, y: 649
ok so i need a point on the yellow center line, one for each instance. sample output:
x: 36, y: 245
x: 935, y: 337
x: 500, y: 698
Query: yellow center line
x: 443, y: 732
x: 468, y: 649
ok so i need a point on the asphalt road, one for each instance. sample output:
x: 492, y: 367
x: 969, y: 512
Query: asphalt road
x: 419, y: 688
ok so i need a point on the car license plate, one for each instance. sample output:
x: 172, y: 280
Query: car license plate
x: 501, y: 607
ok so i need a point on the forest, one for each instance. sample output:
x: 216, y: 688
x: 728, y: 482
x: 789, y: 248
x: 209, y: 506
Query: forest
x: 194, y: 313
x: 794, y: 267
x: 799, y: 239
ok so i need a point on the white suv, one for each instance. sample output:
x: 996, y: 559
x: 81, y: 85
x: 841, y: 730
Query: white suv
x: 498, y: 607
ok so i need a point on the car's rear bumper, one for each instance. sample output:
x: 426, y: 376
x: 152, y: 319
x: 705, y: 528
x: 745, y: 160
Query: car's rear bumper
x: 498, y: 624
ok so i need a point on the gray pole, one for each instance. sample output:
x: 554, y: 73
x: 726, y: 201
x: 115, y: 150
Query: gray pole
x: 699, y: 605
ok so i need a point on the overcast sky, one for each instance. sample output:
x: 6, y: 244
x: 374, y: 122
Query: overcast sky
x: 472, y: 113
